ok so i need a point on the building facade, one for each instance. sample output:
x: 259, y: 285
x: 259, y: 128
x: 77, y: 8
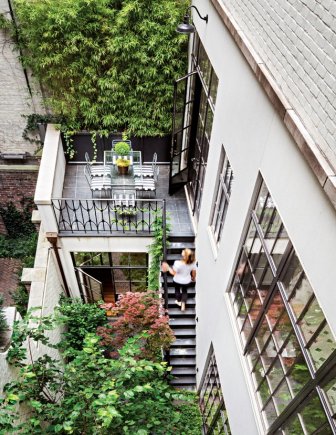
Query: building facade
x: 264, y: 214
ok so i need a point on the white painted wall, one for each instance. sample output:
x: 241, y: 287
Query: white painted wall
x: 255, y: 141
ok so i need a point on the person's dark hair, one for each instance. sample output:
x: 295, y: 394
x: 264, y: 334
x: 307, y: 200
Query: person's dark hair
x: 188, y: 256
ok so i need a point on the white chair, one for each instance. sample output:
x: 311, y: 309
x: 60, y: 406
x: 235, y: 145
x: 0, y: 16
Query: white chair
x: 101, y: 184
x: 124, y: 198
x: 97, y: 170
x: 146, y: 170
x: 147, y: 184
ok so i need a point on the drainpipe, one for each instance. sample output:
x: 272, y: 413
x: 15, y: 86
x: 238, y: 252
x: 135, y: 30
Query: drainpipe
x: 52, y: 239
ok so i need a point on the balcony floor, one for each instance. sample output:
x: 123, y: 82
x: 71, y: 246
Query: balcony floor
x: 76, y: 187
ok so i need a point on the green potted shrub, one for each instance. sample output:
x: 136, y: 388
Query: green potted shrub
x: 122, y: 150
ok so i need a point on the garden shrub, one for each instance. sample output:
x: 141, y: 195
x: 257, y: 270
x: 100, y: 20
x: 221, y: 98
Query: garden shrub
x: 79, y: 320
x: 138, y: 312
x: 92, y: 394
x: 106, y: 65
x: 18, y: 222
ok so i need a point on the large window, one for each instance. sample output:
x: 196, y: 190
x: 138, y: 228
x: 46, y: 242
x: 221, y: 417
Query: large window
x: 127, y: 271
x: 287, y: 341
x: 214, y: 415
x: 222, y: 196
x: 208, y: 83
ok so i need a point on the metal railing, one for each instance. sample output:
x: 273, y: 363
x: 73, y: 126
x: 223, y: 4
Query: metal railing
x: 106, y: 216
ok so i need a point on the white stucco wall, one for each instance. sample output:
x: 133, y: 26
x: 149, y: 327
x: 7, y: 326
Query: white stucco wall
x: 256, y: 142
x: 96, y: 244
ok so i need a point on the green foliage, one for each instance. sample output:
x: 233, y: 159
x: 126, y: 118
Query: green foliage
x: 23, y: 248
x: 122, y: 149
x: 33, y: 121
x: 18, y: 222
x: 123, y: 163
x: 92, y: 394
x: 106, y: 65
x: 79, y: 319
x: 3, y: 323
x: 20, y: 297
x: 138, y: 313
x: 5, y: 23
x: 156, y: 250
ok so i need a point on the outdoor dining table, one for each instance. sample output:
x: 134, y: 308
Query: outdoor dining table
x: 123, y: 186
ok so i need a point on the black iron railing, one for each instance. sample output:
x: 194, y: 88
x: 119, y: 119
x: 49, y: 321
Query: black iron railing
x: 102, y: 216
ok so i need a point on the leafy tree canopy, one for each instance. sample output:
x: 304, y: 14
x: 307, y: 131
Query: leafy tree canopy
x: 106, y: 64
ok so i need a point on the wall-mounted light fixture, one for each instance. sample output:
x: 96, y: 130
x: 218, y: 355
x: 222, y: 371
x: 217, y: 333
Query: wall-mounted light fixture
x: 186, y: 27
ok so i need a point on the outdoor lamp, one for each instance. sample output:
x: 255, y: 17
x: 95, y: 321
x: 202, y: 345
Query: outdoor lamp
x: 186, y: 27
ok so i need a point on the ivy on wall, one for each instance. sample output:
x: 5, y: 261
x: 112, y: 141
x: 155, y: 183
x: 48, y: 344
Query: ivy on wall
x: 18, y: 222
x: 106, y: 65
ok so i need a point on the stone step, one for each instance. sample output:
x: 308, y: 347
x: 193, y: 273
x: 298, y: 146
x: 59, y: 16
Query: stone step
x: 185, y: 380
x: 181, y: 323
x: 177, y: 247
x: 176, y: 312
x: 184, y: 342
x: 171, y: 291
x: 178, y: 361
x: 182, y: 352
x: 183, y: 371
x: 181, y: 238
x: 190, y: 302
x: 184, y: 332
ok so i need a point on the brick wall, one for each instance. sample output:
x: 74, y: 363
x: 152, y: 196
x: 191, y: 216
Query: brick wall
x: 16, y: 184
x: 14, y: 95
x: 297, y: 41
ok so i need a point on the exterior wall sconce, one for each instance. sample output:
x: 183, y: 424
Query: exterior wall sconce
x: 186, y: 27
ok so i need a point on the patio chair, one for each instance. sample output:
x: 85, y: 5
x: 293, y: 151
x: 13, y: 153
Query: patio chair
x: 146, y: 170
x: 101, y: 184
x: 147, y: 184
x: 97, y: 170
x: 124, y: 198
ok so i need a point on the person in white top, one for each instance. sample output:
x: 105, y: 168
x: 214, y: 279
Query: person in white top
x: 184, y: 272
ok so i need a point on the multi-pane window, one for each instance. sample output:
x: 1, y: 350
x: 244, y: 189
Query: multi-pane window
x: 214, y: 415
x: 287, y: 341
x: 222, y: 196
x: 126, y: 271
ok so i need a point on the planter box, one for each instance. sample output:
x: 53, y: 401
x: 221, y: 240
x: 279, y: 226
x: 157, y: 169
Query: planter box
x: 147, y: 145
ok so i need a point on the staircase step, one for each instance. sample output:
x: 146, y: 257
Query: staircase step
x: 184, y: 332
x: 178, y: 361
x: 185, y: 380
x: 182, y: 352
x: 184, y: 342
x: 189, y: 312
x: 183, y: 371
x: 171, y: 291
x: 170, y: 282
x: 177, y: 247
x: 180, y: 323
x: 190, y: 302
x: 181, y: 238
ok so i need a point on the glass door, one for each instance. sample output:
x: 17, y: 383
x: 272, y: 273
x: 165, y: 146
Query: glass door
x: 186, y: 102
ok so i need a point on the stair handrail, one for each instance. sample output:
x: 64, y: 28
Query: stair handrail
x: 164, y: 252
x: 164, y: 258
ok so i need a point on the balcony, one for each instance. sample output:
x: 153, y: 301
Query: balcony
x: 67, y: 207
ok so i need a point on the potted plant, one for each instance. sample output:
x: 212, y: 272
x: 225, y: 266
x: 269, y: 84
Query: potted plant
x: 122, y: 150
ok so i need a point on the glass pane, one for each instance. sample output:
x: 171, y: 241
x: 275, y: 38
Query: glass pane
x: 250, y: 237
x: 138, y: 286
x: 311, y: 320
x: 138, y: 259
x: 246, y: 331
x: 242, y: 314
x: 275, y: 310
x: 263, y: 334
x: 258, y: 373
x: 330, y: 391
x: 299, y: 375
x: 264, y: 392
x: 282, y: 397
x: 262, y: 200
x: 275, y: 375
x: 122, y: 287
x: 119, y: 258
x: 322, y: 346
x: 253, y: 354
x: 290, y: 352
x: 213, y: 87
x: 282, y: 330
x: 269, y: 413
x: 255, y: 309
x: 313, y: 415
x: 268, y: 354
x: 293, y: 427
x: 278, y: 250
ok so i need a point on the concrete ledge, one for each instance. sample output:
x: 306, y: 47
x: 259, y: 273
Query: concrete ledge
x: 35, y: 274
x: 36, y: 218
x: 321, y: 168
x: 21, y: 168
